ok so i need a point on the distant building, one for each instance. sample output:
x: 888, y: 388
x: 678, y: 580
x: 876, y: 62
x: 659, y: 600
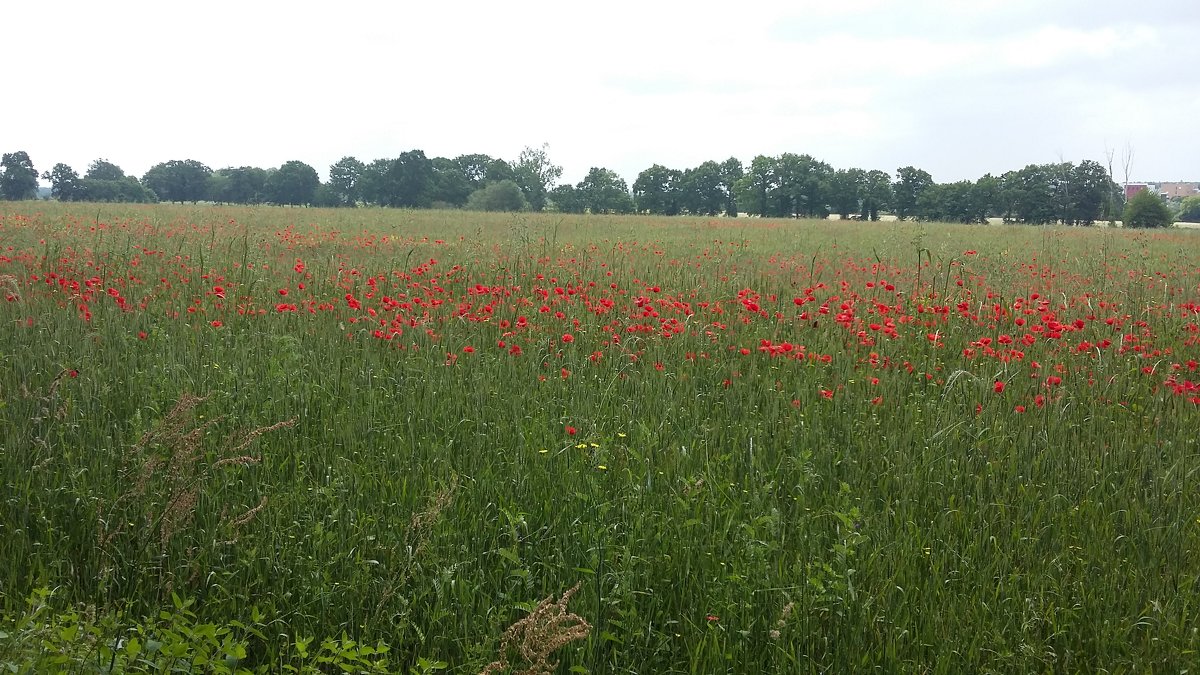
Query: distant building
x: 1132, y: 189
x: 1178, y: 190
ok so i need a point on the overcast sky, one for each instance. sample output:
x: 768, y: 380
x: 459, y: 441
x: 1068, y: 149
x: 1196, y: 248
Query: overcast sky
x: 956, y: 87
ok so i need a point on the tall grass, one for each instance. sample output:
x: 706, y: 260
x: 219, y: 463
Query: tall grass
x: 866, y: 497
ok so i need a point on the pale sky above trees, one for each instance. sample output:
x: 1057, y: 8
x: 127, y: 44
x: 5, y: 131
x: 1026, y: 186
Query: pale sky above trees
x: 956, y: 88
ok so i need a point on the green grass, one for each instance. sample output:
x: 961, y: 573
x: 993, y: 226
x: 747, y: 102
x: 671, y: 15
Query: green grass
x: 721, y: 513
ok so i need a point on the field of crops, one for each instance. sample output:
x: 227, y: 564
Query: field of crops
x: 267, y: 438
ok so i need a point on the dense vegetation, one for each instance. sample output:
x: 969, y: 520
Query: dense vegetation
x: 787, y: 186
x: 256, y: 438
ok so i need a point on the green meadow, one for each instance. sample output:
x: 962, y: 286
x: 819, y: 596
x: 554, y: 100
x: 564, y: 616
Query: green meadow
x: 257, y: 439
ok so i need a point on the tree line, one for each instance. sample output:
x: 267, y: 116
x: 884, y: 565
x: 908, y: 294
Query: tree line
x: 787, y: 185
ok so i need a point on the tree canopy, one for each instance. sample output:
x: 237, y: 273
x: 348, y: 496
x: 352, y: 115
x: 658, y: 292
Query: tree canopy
x: 787, y: 185
x: 1147, y: 209
x: 293, y: 183
x: 503, y: 195
x: 18, y: 178
x: 179, y: 180
x: 1189, y: 211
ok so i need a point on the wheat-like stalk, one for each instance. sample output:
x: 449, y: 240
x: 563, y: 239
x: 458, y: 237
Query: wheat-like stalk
x: 544, y: 630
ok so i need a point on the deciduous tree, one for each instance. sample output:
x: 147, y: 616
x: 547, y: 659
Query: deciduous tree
x: 102, y: 169
x: 1147, y: 209
x: 658, y: 190
x: 178, y: 180
x: 240, y: 185
x: 343, y: 180
x: 604, y: 191
x: 910, y: 183
x: 65, y: 183
x: 504, y: 195
x: 1190, y: 210
x: 536, y: 175
x: 18, y: 178
x: 292, y: 183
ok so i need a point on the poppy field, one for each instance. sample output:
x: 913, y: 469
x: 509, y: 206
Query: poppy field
x: 434, y: 441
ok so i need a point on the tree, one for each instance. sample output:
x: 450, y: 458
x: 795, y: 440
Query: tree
x: 958, y: 202
x: 910, y: 183
x: 731, y: 173
x: 414, y: 179
x: 451, y: 188
x: 1091, y: 192
x: 803, y: 186
x: 755, y: 188
x: 406, y: 181
x: 876, y: 194
x: 1147, y: 209
x: 504, y: 195
x: 18, y: 178
x: 125, y: 189
x: 102, y: 169
x: 658, y: 190
x: 292, y: 183
x: 1028, y: 195
x: 474, y: 168
x: 107, y: 182
x: 326, y: 196
x: 567, y: 199
x: 65, y: 184
x: 701, y: 189
x: 343, y: 180
x: 536, y: 175
x: 498, y: 170
x: 1190, y: 210
x: 985, y: 197
x: 178, y: 180
x: 604, y: 191
x: 241, y: 185
x: 845, y: 191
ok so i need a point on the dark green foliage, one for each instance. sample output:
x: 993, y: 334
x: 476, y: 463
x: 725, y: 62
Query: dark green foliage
x: 406, y: 181
x: 876, y: 194
x: 846, y: 191
x: 343, y: 181
x: 65, y: 183
x: 451, y: 187
x: 1147, y: 209
x: 910, y: 183
x: 102, y: 169
x: 293, y: 183
x: 502, y: 195
x: 178, y: 180
x: 658, y: 190
x: 535, y: 174
x: 18, y: 178
x: 701, y: 190
x: 241, y: 185
x: 125, y: 189
x: 567, y: 199
x: 603, y: 191
x: 1190, y: 210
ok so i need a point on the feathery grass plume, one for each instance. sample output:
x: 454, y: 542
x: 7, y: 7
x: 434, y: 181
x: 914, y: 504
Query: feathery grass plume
x: 48, y: 413
x: 8, y: 283
x: 784, y: 615
x: 167, y: 474
x: 544, y: 630
x: 420, y: 529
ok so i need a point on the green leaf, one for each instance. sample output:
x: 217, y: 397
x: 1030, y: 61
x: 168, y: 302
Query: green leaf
x: 133, y: 647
